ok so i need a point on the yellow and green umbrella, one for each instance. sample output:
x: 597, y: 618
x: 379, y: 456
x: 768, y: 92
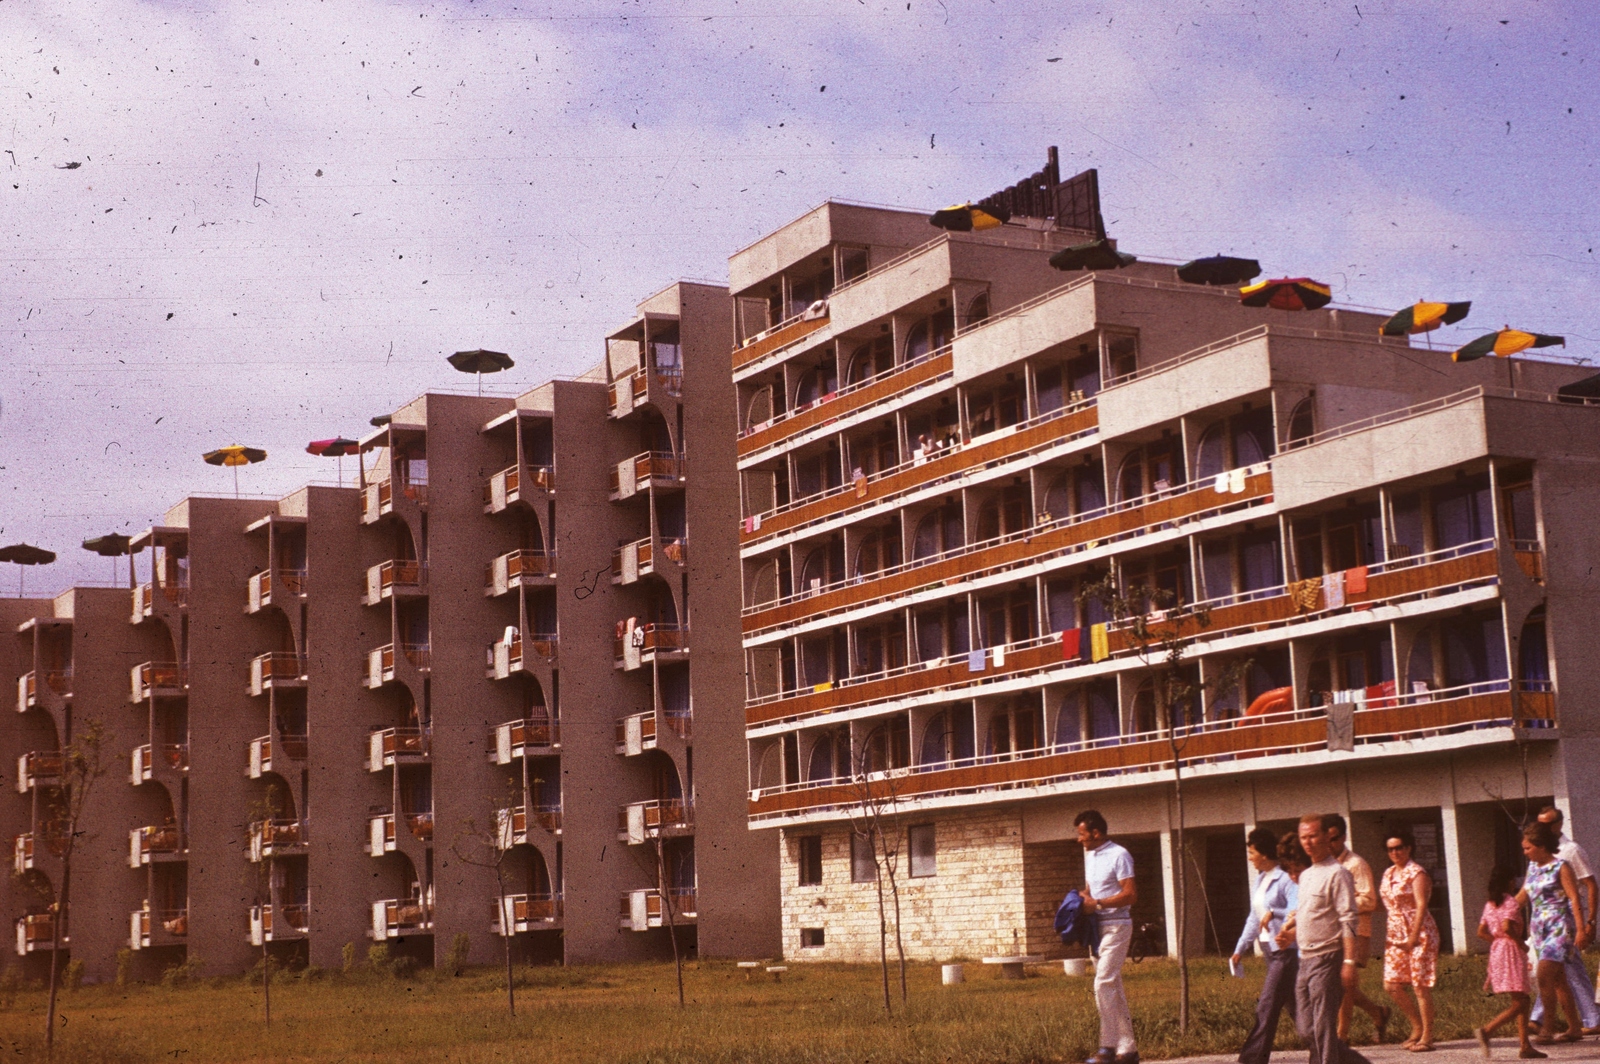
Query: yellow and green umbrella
x: 235, y: 455
x: 1503, y: 344
x: 1423, y: 317
x: 965, y: 217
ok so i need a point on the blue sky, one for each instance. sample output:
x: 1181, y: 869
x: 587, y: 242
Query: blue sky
x: 285, y: 215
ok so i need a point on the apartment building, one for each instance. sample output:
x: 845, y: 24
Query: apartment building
x: 502, y: 663
x: 943, y: 442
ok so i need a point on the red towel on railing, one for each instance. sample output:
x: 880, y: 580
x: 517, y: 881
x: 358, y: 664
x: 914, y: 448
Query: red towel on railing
x: 1355, y: 580
x: 1381, y: 695
x: 1072, y: 644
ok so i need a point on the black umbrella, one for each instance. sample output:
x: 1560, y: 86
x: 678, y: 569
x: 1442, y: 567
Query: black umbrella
x: 1095, y: 255
x: 1219, y: 270
x: 25, y: 554
x: 381, y: 420
x: 112, y: 545
x: 480, y: 362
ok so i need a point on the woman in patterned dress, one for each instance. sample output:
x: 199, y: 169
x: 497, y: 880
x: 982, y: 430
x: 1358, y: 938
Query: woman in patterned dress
x: 1412, y: 940
x: 1550, y: 891
x: 1501, y: 927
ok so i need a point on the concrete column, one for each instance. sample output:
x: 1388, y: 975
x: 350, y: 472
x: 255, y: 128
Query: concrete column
x: 1469, y: 858
x: 1169, y: 880
x: 1459, y: 938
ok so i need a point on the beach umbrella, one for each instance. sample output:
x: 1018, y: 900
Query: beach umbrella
x: 381, y: 420
x: 1287, y: 293
x: 965, y: 217
x: 1095, y: 255
x: 1506, y: 342
x: 1423, y: 317
x: 1219, y: 270
x: 22, y: 554
x: 235, y: 456
x: 480, y: 362
x: 337, y: 447
x: 112, y: 545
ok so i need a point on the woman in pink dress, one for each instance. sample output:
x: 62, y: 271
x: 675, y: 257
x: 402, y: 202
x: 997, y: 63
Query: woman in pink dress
x: 1412, y: 949
x: 1502, y: 927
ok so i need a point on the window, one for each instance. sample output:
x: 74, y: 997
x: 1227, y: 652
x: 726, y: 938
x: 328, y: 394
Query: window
x: 870, y: 359
x: 924, y: 856
x: 810, y: 864
x: 863, y: 862
x: 1302, y: 422
x: 811, y: 938
x: 853, y: 262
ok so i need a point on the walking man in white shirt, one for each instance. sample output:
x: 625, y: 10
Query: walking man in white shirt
x: 1325, y: 929
x: 1583, y: 991
x: 1109, y: 894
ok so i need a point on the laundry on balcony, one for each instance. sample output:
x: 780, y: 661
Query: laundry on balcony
x: 1333, y: 590
x: 1305, y: 594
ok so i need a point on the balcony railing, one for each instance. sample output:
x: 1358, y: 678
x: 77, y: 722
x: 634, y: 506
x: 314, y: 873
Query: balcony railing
x: 645, y: 642
x: 1439, y: 572
x: 1130, y: 759
x: 397, y: 577
x: 1036, y: 543
x: 28, y: 847
x: 400, y: 916
x: 503, y: 658
x: 646, y: 468
x: 36, y: 768
x: 381, y: 661
x: 381, y: 834
x: 639, y: 821
x: 641, y: 910
x: 270, y: 923
x: 144, y: 597
x: 633, y: 560
x: 783, y: 334
x: 512, y: 824
x: 56, y: 681
x: 520, y: 738
x: 279, y: 668
x: 36, y: 931
x: 157, y: 679
x: 154, y: 841
x: 148, y: 926
x: 385, y: 746
x: 145, y: 759
x: 276, y: 838
x: 520, y: 568
x: 506, y: 486
x: 944, y: 464
x: 286, y: 584
x: 524, y: 912
x: 639, y: 732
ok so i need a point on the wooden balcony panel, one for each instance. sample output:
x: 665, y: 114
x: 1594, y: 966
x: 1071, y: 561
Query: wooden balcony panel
x: 780, y: 337
x: 887, y: 386
x: 943, y: 467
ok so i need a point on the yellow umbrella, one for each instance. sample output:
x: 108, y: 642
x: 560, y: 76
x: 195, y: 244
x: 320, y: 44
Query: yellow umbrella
x: 235, y: 455
x: 1506, y: 342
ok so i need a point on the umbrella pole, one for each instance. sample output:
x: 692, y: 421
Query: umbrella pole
x: 235, y: 482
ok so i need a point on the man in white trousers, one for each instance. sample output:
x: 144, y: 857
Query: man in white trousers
x: 1109, y: 894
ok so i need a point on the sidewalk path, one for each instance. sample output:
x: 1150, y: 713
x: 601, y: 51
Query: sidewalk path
x: 1447, y: 1053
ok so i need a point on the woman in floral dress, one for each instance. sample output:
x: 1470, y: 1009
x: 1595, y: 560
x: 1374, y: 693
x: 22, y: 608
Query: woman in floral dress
x: 1412, y: 951
x: 1501, y: 927
x: 1550, y: 891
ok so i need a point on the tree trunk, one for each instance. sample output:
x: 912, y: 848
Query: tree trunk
x: 507, y: 929
x: 666, y: 910
x: 899, y: 942
x: 1182, y: 899
x: 883, y: 928
x: 56, y: 924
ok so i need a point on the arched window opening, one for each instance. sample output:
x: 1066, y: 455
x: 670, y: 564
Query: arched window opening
x: 1533, y: 653
x: 1302, y: 421
x: 939, y: 532
x: 1104, y: 720
x: 1211, y: 457
x: 871, y: 359
x: 878, y: 551
x: 830, y: 758
x: 888, y: 745
x: 978, y: 309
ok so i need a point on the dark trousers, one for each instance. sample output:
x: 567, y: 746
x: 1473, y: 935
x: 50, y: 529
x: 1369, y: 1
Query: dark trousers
x: 1277, y: 994
x: 1317, y: 994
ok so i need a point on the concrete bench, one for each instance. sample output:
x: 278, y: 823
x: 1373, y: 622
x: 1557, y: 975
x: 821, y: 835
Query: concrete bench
x: 749, y: 968
x: 776, y: 971
x: 1012, y: 967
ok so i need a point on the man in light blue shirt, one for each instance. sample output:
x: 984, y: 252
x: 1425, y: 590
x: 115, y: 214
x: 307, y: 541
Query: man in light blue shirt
x: 1273, y: 899
x: 1109, y: 893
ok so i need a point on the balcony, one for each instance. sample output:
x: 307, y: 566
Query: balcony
x: 381, y: 662
x: 36, y: 931
x: 276, y: 587
x: 262, y: 751
x: 505, y: 658
x: 627, y: 392
x: 664, y: 818
x: 530, y: 737
x: 506, y: 487
x: 155, y: 843
x: 149, y: 928
x: 1019, y: 441
x: 1388, y: 583
x: 405, y: 578
x: 381, y: 835
x: 28, y: 847
x: 277, y: 838
x: 520, y: 568
x: 514, y: 826
x: 780, y: 335
x: 36, y: 768
x: 639, y: 732
x: 648, y: 469
x: 396, y: 918
x: 387, y: 746
x: 159, y: 679
x: 281, y: 668
x: 378, y: 499
x: 146, y: 759
x: 175, y: 596
x: 640, y: 645
x: 57, y: 683
x: 272, y: 923
x: 1231, y: 746
x: 524, y: 912
x: 641, y: 910
x: 1037, y: 543
x: 632, y: 560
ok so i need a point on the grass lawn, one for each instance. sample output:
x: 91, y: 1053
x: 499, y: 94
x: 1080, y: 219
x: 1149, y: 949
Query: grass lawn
x: 822, y: 1013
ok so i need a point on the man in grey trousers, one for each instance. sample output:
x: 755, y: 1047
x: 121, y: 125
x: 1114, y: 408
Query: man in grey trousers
x: 1325, y: 930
